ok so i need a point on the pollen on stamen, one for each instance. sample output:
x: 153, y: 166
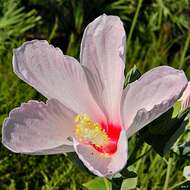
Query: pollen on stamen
x: 89, y: 132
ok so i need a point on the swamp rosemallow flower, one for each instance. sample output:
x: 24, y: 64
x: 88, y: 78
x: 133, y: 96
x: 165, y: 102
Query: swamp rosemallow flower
x: 87, y: 109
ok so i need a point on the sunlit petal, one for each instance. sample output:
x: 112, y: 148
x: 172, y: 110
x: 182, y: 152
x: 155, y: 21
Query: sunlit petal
x: 39, y: 128
x: 150, y: 96
x: 54, y: 75
x: 103, y: 58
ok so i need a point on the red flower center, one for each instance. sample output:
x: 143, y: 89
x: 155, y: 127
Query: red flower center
x: 113, y: 132
x: 103, y: 137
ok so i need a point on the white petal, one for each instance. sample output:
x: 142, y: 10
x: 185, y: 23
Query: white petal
x: 150, y: 96
x: 185, y: 98
x: 100, y: 164
x: 39, y: 128
x: 103, y: 58
x: 54, y: 75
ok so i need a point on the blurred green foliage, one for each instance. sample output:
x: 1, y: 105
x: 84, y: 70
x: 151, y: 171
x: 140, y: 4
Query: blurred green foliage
x: 158, y: 34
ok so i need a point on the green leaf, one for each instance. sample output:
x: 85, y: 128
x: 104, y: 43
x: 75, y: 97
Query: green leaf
x: 98, y: 184
x: 163, y: 132
x: 132, y: 75
x: 129, y: 183
x: 176, y: 109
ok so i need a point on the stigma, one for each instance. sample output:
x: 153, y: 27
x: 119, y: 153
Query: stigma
x: 89, y: 132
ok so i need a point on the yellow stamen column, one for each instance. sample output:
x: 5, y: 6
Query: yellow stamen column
x: 88, y: 132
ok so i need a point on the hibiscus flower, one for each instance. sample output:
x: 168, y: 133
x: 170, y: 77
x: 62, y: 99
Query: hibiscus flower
x: 87, y: 110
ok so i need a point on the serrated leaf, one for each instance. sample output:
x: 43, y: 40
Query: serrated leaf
x: 97, y: 184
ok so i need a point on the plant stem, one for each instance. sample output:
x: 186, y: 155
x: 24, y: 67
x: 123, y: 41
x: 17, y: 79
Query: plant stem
x: 134, y: 22
x: 106, y: 184
x: 184, y: 51
x: 167, y: 174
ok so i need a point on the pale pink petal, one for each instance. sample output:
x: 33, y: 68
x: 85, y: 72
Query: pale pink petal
x: 153, y: 94
x: 100, y: 164
x: 39, y: 128
x: 185, y: 98
x: 103, y: 58
x: 54, y: 75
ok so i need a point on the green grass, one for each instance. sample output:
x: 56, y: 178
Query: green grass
x: 158, y: 34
